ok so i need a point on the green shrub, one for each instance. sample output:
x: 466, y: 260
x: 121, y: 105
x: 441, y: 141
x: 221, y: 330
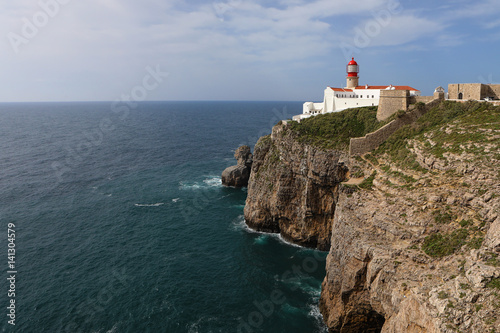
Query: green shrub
x: 476, y: 242
x: 443, y: 217
x: 439, y: 245
x: 443, y: 295
x: 494, y: 283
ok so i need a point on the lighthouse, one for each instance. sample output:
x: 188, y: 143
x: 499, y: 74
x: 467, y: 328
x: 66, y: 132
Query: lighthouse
x: 352, y: 74
x: 389, y: 98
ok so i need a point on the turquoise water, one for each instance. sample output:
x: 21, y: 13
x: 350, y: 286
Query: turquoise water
x: 122, y: 224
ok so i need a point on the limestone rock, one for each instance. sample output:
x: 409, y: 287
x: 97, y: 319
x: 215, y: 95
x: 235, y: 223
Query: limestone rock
x: 293, y: 189
x: 238, y: 175
x: 244, y: 156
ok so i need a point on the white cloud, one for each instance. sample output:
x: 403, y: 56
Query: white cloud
x: 111, y: 41
x: 397, y: 30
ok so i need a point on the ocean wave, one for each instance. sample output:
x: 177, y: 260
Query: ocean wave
x: 176, y: 199
x: 213, y: 181
x: 208, y: 182
x: 150, y: 205
x: 238, y: 223
x: 318, y: 318
x: 261, y: 240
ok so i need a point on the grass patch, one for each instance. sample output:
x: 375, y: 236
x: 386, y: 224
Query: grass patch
x: 367, y: 183
x: 476, y: 242
x: 439, y: 245
x: 494, y: 283
x: 443, y: 295
x: 466, y: 119
x: 465, y: 223
x: 443, y: 217
x: 334, y: 130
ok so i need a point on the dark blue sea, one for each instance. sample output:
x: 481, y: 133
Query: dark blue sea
x: 121, y: 223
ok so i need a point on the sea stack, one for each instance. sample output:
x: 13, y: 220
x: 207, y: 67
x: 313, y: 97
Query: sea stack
x: 238, y: 175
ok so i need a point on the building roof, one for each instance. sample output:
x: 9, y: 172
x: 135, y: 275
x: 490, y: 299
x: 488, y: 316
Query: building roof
x: 375, y: 88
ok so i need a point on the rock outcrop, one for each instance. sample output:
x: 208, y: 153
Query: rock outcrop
x: 293, y: 189
x: 238, y: 175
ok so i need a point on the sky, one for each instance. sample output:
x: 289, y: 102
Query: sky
x: 280, y: 50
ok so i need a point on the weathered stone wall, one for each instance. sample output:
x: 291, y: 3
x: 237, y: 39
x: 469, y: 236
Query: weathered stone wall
x: 468, y: 90
x: 371, y: 141
x: 423, y: 99
x: 391, y: 101
x: 491, y: 90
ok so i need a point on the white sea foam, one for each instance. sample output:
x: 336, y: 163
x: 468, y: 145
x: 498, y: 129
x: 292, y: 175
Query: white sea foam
x: 213, y: 181
x: 150, y: 205
x: 262, y: 239
x: 318, y: 318
x: 176, y: 199
x: 239, y: 223
x: 209, y: 182
x: 114, y: 329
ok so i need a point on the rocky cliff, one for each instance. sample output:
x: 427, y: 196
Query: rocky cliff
x: 414, y: 241
x: 293, y: 189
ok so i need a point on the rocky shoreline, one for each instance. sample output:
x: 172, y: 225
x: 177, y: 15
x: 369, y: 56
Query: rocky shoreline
x: 382, y: 274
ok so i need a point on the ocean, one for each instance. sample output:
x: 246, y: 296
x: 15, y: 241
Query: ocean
x: 117, y: 221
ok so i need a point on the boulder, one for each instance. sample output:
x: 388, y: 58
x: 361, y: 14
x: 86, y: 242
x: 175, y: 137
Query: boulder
x: 238, y: 175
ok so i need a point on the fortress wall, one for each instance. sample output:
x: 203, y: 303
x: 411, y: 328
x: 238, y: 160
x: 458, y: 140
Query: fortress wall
x: 423, y: 99
x: 391, y: 101
x: 371, y: 141
x: 492, y: 90
x: 469, y: 90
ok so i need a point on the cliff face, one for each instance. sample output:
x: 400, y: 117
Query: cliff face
x: 418, y: 252
x: 414, y: 247
x: 293, y: 189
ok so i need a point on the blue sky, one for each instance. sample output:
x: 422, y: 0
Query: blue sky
x: 240, y: 49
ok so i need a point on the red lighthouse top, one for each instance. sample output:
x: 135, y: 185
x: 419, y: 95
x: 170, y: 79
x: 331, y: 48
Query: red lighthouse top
x: 352, y: 68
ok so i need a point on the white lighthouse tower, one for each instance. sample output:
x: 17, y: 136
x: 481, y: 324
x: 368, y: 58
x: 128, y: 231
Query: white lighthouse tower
x: 352, y: 74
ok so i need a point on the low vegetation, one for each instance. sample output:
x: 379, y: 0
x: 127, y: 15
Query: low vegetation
x: 440, y: 245
x: 463, y: 134
x: 334, y: 130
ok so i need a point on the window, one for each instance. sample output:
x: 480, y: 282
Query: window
x: 373, y: 96
x: 460, y: 96
x: 361, y: 96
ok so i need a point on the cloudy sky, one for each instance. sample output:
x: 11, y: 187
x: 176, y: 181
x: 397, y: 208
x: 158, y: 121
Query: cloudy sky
x: 94, y: 50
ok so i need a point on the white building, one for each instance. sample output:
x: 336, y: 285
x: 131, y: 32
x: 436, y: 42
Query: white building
x: 352, y: 96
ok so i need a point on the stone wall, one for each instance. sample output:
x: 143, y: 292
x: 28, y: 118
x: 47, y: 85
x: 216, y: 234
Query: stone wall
x: 391, y: 101
x: 371, y: 141
x: 492, y: 90
x: 468, y: 91
x: 423, y: 99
